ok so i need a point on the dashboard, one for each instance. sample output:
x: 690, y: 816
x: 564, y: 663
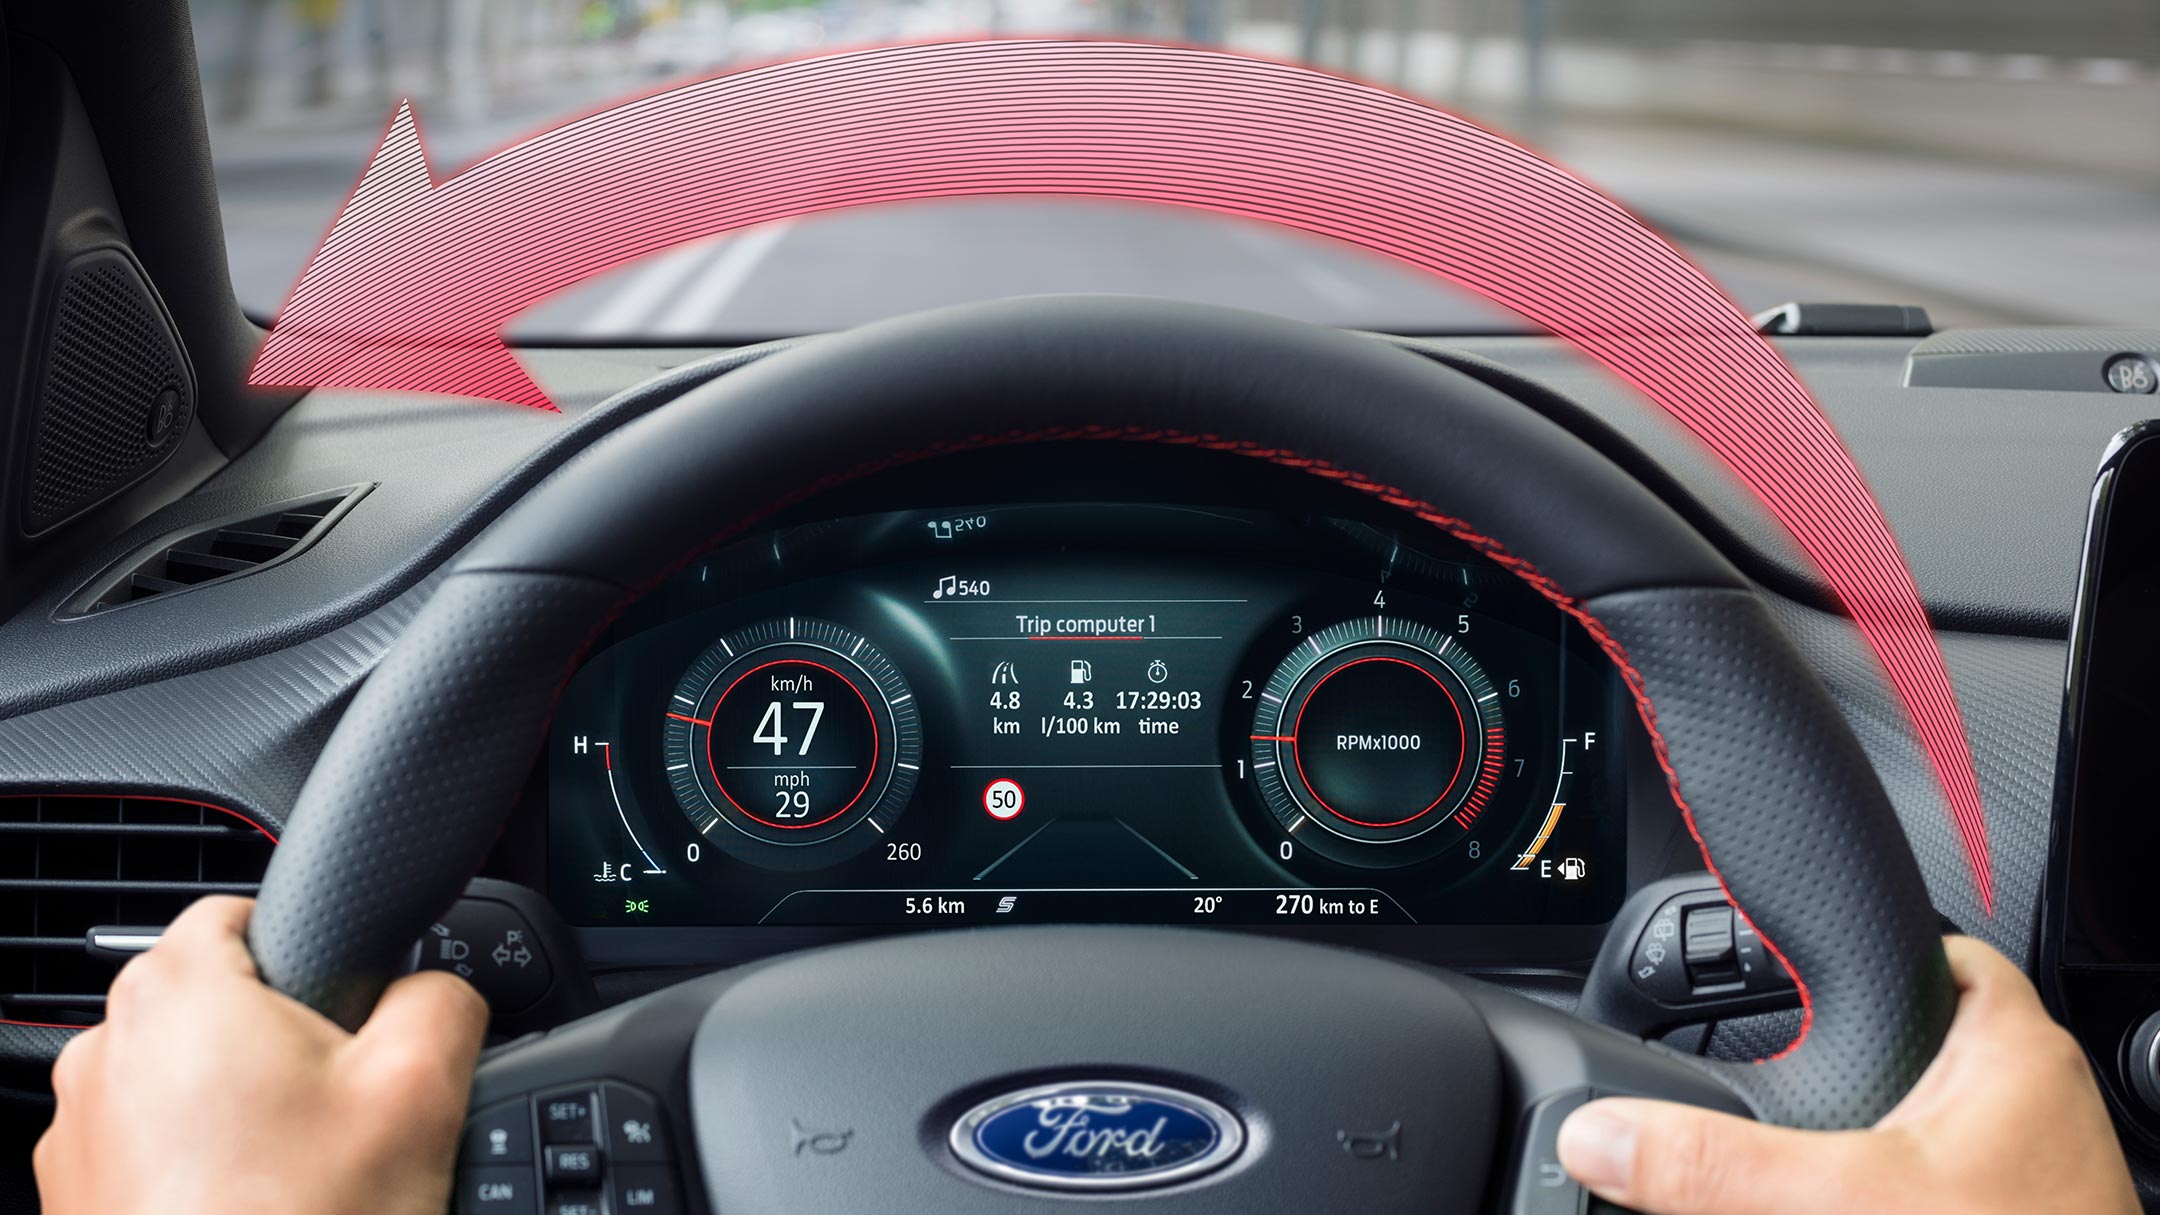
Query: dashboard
x: 1089, y: 711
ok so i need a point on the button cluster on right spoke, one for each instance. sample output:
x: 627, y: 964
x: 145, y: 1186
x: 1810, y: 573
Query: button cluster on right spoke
x: 599, y: 1148
x: 1697, y: 947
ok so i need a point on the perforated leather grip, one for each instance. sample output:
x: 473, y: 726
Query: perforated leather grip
x: 1791, y: 817
x: 412, y: 788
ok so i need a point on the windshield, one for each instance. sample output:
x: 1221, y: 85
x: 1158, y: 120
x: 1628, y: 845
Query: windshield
x: 1990, y: 160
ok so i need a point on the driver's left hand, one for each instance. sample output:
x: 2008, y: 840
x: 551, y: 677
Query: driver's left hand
x: 206, y: 1091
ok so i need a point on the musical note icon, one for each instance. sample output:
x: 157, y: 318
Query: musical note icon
x: 949, y: 584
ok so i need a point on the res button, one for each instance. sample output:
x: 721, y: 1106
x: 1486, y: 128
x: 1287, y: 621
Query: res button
x: 575, y: 1164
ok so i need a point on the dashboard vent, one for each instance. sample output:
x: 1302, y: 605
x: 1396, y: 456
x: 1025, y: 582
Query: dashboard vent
x: 69, y: 865
x: 215, y: 551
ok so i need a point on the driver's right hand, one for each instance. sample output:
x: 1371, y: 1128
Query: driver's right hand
x: 2006, y: 1120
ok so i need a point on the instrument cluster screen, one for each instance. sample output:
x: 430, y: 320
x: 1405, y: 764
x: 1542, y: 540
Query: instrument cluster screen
x: 1090, y: 713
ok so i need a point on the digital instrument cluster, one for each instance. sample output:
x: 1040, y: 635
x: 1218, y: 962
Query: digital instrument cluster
x: 1090, y: 713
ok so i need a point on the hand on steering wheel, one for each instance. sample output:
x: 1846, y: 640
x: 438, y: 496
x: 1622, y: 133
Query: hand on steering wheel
x: 205, y: 1090
x: 198, y: 1090
x: 2007, y: 1120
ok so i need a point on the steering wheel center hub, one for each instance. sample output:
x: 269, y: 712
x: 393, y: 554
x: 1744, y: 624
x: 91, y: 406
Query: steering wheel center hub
x: 1043, y: 1037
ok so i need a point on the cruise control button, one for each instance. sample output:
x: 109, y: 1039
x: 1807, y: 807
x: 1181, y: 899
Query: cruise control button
x: 576, y: 1164
x: 567, y: 1117
x: 498, y: 1190
x: 643, y: 1189
x: 634, y: 1133
x: 574, y: 1202
x: 499, y: 1134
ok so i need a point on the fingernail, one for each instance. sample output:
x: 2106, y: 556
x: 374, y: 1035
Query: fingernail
x: 1597, y: 1146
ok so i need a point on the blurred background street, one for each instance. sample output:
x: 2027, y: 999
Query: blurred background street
x: 1991, y: 160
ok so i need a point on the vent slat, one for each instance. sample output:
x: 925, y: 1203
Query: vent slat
x: 215, y: 551
x: 201, y: 567
x: 70, y: 865
x: 41, y: 999
x: 103, y: 886
x: 208, y: 831
x: 261, y: 546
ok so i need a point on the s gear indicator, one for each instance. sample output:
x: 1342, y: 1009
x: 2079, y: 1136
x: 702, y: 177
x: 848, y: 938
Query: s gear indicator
x: 791, y: 733
x: 1384, y: 734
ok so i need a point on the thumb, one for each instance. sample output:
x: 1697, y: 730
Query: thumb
x: 1667, y: 1159
x: 432, y: 1021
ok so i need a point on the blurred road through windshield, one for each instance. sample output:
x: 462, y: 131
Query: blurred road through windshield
x: 1991, y: 160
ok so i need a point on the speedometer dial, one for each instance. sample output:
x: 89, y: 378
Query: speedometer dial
x: 792, y: 734
x: 1378, y: 742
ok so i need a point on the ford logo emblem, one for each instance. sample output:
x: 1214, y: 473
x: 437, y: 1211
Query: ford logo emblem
x: 1096, y: 1135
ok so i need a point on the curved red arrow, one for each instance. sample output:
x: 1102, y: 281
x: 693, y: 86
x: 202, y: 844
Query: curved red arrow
x: 417, y: 278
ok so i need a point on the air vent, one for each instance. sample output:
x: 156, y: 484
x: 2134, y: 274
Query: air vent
x: 70, y: 865
x: 215, y: 551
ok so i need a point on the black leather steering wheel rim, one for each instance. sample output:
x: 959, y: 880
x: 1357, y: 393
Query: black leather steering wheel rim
x: 408, y: 795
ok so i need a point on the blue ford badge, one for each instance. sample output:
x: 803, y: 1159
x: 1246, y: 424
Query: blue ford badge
x: 1097, y: 1135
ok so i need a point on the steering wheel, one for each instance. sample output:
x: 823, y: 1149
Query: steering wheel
x: 1351, y: 1081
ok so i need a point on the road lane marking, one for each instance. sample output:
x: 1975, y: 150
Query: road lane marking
x: 633, y: 307
x: 697, y: 309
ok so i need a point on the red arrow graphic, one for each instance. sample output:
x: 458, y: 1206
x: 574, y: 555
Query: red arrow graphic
x: 417, y: 278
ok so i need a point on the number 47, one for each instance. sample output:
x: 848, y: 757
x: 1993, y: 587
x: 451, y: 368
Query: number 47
x: 768, y: 727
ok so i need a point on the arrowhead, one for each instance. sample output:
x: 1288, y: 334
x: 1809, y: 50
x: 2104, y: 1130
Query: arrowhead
x: 362, y: 316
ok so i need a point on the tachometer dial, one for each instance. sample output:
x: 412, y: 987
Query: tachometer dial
x: 788, y: 734
x: 1378, y: 741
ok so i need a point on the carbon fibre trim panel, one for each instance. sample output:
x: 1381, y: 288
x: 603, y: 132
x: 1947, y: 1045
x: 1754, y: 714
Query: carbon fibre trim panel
x: 27, y: 1052
x: 242, y: 736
